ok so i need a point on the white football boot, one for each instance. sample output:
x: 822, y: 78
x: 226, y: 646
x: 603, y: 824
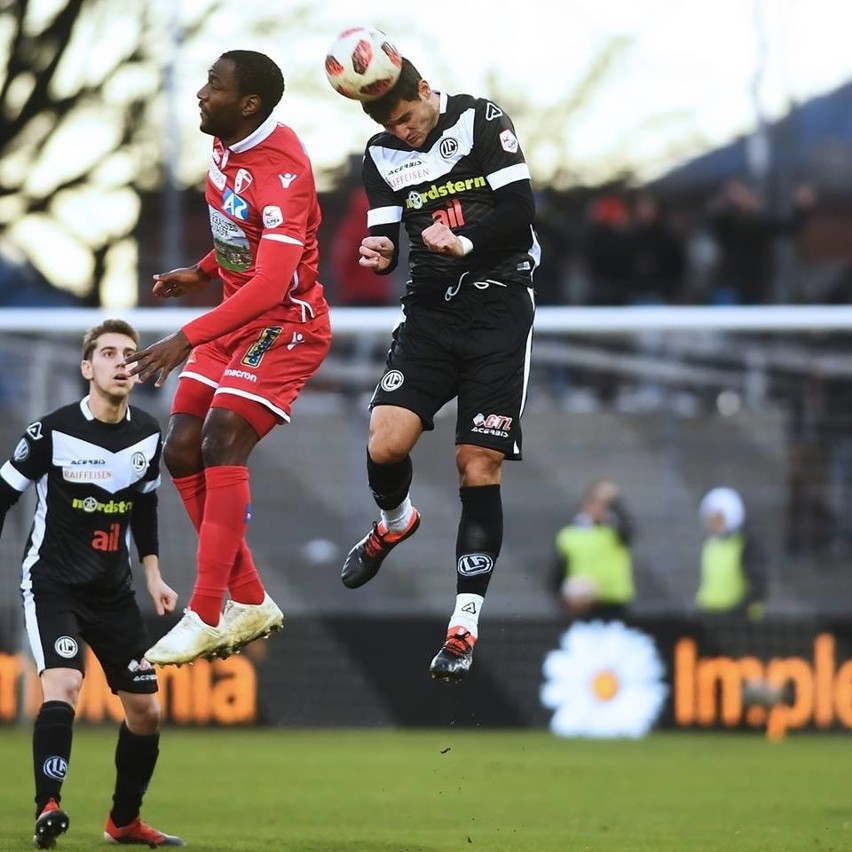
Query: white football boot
x: 243, y: 623
x: 188, y: 640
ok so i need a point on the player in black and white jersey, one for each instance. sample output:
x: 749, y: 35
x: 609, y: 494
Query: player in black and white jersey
x: 95, y: 466
x: 451, y: 170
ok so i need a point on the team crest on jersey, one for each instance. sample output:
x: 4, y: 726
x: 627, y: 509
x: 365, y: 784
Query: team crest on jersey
x: 509, y: 142
x: 138, y: 462
x: 236, y: 206
x: 22, y: 451
x: 448, y: 147
x: 272, y: 216
x: 217, y: 177
x: 34, y: 430
x: 259, y: 348
x: 242, y: 180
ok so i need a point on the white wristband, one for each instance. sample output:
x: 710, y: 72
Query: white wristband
x: 466, y: 244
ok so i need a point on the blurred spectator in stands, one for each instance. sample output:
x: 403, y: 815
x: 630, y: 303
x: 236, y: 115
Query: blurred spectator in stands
x: 592, y: 569
x: 607, y: 251
x: 745, y: 235
x: 606, y: 260
x: 356, y: 285
x: 657, y: 255
x: 554, y: 231
x: 733, y: 572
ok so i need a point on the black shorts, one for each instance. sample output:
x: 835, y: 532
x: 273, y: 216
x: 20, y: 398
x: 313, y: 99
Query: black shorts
x: 57, y: 617
x: 472, y: 343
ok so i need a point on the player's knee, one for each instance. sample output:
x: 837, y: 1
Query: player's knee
x: 61, y: 685
x: 228, y: 439
x: 478, y: 465
x: 384, y: 452
x: 178, y: 461
x: 143, y: 717
x: 182, y: 447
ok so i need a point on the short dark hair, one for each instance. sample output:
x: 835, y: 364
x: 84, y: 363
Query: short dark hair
x: 109, y: 326
x: 406, y: 88
x: 257, y: 75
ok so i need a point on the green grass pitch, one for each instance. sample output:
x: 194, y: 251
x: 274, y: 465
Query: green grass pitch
x: 451, y: 791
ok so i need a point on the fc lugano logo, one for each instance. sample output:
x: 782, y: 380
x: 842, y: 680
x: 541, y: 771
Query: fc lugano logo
x: 66, y: 647
x: 448, y: 147
x: 472, y: 564
x: 392, y: 380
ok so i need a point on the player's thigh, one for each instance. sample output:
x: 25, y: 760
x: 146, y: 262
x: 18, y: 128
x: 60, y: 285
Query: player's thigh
x: 421, y: 370
x: 52, y: 627
x: 116, y: 633
x: 494, y: 378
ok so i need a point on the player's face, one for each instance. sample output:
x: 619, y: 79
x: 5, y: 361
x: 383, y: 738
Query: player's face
x: 221, y: 103
x: 106, y: 377
x: 412, y: 121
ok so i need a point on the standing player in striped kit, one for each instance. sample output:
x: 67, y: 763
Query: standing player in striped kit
x: 250, y: 356
x: 95, y: 465
x: 451, y: 170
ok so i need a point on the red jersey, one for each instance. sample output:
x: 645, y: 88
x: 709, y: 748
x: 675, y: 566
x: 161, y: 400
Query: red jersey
x: 264, y: 216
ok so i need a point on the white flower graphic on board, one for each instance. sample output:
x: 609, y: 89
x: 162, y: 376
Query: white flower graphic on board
x: 605, y: 680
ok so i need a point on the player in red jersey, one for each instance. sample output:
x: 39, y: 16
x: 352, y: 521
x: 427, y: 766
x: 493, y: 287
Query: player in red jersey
x: 248, y: 357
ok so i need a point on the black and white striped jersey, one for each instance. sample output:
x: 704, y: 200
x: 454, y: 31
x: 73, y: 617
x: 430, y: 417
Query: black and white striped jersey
x: 90, y: 478
x: 470, y: 153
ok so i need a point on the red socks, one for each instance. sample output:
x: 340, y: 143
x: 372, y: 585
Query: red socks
x: 244, y: 583
x: 218, y: 502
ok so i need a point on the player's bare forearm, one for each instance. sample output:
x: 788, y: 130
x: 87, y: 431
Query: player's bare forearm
x: 164, y: 596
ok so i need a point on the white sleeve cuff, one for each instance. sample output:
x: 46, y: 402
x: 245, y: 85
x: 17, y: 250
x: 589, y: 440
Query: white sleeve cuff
x: 467, y: 245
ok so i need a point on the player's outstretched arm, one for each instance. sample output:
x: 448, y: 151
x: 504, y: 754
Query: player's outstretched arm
x: 162, y: 594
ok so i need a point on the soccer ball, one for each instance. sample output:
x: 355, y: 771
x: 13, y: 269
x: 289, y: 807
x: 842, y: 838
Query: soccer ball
x: 362, y: 63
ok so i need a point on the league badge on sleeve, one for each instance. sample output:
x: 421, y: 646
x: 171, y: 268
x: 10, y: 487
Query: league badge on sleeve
x: 509, y: 142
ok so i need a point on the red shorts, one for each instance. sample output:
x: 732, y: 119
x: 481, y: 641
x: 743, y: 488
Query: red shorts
x: 262, y: 364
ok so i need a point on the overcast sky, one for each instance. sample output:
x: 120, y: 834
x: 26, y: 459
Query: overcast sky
x: 688, y: 75
x: 694, y: 73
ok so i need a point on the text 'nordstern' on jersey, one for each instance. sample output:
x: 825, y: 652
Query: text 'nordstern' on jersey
x: 416, y: 199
